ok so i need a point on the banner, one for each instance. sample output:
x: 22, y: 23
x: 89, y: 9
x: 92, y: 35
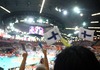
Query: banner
x: 52, y: 36
x: 86, y: 34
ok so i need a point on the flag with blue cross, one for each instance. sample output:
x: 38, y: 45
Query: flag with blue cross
x: 86, y: 34
x: 52, y: 36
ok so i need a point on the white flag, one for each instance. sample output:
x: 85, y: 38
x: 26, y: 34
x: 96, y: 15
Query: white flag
x: 52, y: 36
x: 86, y: 34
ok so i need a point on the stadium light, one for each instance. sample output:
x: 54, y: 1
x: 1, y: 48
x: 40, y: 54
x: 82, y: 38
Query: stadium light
x: 30, y: 20
x: 69, y: 35
x: 76, y: 32
x: 5, y: 9
x: 81, y: 14
x: 65, y: 12
x: 43, y: 2
x: 76, y: 9
x: 76, y: 28
x: 84, y: 24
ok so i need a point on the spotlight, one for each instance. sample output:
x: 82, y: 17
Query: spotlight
x: 65, y: 12
x: 76, y: 9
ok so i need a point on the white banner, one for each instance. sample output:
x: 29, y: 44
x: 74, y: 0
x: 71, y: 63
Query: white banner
x: 52, y: 35
x: 86, y: 34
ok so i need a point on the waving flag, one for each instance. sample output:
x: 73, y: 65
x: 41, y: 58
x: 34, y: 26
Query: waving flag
x: 52, y: 36
x: 86, y: 34
x: 65, y: 42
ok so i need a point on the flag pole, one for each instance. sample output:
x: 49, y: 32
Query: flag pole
x: 39, y: 43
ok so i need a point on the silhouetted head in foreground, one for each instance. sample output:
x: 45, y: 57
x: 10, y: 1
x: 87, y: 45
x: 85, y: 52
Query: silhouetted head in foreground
x: 76, y: 58
x: 42, y: 61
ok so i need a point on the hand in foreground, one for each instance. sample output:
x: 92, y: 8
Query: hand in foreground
x: 25, y: 55
x: 44, y: 51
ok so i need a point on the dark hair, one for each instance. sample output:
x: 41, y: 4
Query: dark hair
x: 76, y: 58
x: 42, y: 61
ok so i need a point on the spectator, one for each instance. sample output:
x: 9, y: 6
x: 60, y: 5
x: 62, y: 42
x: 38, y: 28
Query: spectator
x: 44, y: 66
x: 22, y: 67
x: 76, y: 58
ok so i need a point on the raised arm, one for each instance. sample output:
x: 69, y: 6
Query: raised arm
x: 22, y: 67
x: 45, y: 59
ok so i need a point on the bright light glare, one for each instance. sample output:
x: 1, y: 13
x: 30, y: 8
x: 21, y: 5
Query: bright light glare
x: 94, y: 21
x: 56, y: 9
x: 40, y: 21
x: 17, y: 30
x: 24, y: 33
x: 84, y: 23
x: 81, y: 14
x: 47, y: 21
x: 76, y: 28
x: 11, y: 24
x: 1, y: 31
x: 51, y: 24
x: 8, y: 27
x: 95, y: 14
x: 59, y: 10
x: 69, y: 35
x: 94, y: 27
x: 43, y: 2
x: 16, y: 21
x: 76, y: 9
x: 70, y: 28
x: 98, y: 35
x: 25, y: 19
x: 7, y: 36
x: 98, y: 31
x: 30, y: 20
x: 5, y: 9
x: 76, y: 32
x: 65, y: 12
x: 12, y: 28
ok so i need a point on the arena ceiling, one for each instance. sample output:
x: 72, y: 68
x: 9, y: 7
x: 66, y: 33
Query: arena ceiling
x: 53, y: 9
